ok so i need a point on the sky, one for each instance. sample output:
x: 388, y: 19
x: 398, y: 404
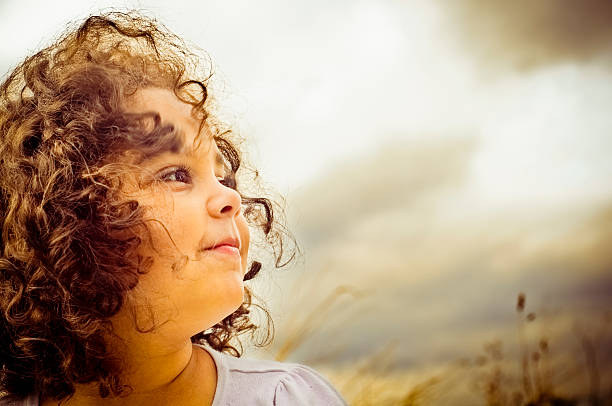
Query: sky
x: 310, y: 84
x: 436, y: 157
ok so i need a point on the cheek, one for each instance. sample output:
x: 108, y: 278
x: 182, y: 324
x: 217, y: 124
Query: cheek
x: 173, y: 230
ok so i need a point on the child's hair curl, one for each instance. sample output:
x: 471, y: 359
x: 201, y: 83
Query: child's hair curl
x: 69, y: 242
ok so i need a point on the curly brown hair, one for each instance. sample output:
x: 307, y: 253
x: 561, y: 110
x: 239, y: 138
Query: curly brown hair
x: 69, y: 242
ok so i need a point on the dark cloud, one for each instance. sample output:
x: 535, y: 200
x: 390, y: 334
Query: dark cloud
x: 524, y: 34
x: 438, y: 281
x: 445, y: 310
x: 395, y: 176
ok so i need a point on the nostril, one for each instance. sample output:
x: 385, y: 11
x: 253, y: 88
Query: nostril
x: 226, y: 209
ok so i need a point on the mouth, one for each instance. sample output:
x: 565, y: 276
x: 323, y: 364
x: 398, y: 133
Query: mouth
x: 230, y: 246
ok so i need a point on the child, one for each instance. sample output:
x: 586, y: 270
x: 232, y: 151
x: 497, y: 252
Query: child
x: 125, y: 236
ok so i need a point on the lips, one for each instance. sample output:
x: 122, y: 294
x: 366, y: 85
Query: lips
x: 226, y: 242
x: 228, y: 246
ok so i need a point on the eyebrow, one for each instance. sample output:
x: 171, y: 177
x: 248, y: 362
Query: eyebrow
x: 187, y: 150
x: 191, y: 152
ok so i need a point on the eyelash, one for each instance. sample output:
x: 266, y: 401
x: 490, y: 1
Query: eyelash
x: 175, y: 169
x: 227, y: 181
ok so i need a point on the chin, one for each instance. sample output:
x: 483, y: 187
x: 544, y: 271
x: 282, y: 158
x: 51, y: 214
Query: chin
x: 235, y: 297
x: 211, y: 319
x: 240, y: 297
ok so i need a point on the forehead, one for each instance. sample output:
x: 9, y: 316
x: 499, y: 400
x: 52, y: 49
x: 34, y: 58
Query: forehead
x: 171, y: 109
x: 177, y: 113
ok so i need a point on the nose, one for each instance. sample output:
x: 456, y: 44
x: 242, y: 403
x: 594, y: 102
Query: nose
x: 224, y: 202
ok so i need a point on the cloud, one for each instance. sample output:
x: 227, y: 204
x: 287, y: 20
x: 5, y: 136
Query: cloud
x: 526, y: 34
x: 397, y: 176
x: 442, y: 300
x: 425, y: 266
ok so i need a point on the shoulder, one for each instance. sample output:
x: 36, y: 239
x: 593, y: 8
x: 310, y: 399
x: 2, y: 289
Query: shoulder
x: 260, y: 382
x: 302, y: 385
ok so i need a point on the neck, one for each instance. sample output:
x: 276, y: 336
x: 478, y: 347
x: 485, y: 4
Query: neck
x: 180, y: 376
x: 152, y: 368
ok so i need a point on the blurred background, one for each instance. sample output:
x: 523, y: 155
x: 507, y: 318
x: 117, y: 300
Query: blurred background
x: 437, y: 158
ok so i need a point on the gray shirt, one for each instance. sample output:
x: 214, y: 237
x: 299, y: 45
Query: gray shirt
x: 251, y: 382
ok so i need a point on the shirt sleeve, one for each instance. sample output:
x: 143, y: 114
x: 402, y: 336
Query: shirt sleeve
x: 303, y: 386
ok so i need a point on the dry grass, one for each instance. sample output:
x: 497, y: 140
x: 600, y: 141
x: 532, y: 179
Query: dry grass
x: 531, y: 376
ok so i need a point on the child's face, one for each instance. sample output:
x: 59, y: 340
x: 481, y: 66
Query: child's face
x: 200, y: 238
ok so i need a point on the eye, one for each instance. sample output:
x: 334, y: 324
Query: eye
x: 176, y: 174
x: 228, y: 181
